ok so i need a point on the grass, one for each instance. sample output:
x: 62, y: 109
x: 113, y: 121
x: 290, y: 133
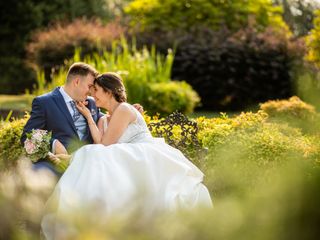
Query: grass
x: 15, y: 102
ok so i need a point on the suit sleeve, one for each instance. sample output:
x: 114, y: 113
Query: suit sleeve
x: 37, y: 119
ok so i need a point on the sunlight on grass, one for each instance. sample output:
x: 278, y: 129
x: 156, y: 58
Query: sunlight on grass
x: 15, y: 102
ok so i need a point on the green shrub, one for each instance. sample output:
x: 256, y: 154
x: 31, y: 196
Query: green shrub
x: 231, y: 72
x: 169, y: 97
x: 10, y: 146
x: 313, y: 41
x: 50, y: 48
x: 146, y: 76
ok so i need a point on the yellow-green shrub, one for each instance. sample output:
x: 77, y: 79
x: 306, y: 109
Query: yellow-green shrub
x: 293, y: 111
x: 293, y: 107
x: 313, y: 41
x: 10, y: 146
x: 253, y: 147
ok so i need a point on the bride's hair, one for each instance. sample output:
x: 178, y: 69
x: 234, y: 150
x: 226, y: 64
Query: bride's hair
x: 112, y: 82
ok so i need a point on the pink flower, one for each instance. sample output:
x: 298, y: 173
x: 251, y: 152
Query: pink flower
x: 29, y: 146
x: 38, y: 135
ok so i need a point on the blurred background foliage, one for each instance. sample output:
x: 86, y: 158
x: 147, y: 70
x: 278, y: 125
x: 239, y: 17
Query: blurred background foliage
x: 146, y: 75
x: 234, y: 54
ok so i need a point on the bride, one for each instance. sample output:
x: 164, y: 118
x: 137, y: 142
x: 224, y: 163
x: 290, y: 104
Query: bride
x: 126, y: 169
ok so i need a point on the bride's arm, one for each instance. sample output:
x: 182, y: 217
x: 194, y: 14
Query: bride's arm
x: 119, y: 121
x: 95, y: 130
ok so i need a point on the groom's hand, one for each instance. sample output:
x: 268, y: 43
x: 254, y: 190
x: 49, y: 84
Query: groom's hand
x: 138, y: 107
x: 59, y: 148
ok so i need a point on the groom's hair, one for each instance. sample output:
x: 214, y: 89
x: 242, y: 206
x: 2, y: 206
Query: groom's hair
x: 80, y: 69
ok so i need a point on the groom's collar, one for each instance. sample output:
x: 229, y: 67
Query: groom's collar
x: 58, y: 92
x: 65, y: 95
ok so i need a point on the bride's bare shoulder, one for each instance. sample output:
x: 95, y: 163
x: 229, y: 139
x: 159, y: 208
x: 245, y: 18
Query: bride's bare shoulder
x: 124, y: 109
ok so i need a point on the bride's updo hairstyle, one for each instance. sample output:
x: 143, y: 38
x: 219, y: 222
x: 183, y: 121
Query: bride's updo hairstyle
x: 112, y: 82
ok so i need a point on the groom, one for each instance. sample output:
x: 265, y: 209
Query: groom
x: 56, y: 112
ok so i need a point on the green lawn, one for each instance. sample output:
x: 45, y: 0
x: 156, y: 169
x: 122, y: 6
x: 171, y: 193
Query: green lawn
x: 15, y: 102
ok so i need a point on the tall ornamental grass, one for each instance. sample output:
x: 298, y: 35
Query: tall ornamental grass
x: 146, y: 74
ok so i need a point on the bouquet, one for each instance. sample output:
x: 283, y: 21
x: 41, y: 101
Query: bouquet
x: 37, y: 146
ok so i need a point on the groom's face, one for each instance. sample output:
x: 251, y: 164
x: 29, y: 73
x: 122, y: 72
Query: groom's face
x: 83, y: 87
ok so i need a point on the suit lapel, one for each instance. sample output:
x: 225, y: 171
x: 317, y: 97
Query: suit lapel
x: 63, y: 107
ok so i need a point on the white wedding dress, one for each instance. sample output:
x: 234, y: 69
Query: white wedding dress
x: 138, y: 173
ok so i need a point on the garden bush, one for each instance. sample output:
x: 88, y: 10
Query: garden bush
x: 146, y: 76
x: 10, y: 145
x: 295, y: 112
x: 293, y: 107
x: 169, y: 97
x: 313, y: 42
x: 249, y: 148
x: 237, y: 71
x: 51, y: 47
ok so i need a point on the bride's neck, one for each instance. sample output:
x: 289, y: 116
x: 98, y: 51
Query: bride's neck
x: 113, y: 106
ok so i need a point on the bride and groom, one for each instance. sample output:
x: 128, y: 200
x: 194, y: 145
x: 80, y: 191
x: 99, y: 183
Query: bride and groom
x: 122, y: 161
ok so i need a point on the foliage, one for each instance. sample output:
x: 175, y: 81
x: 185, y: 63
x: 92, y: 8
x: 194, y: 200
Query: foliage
x: 273, y: 210
x: 170, y: 14
x: 146, y: 74
x: 249, y: 147
x: 18, y: 20
x: 292, y: 107
x: 14, y: 33
x: 10, y: 145
x: 294, y: 112
x: 313, y: 42
x: 232, y: 72
x: 49, y: 48
x: 169, y: 97
x: 307, y: 83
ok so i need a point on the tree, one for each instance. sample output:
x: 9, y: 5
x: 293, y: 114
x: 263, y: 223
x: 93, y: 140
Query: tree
x: 18, y: 19
x: 171, y: 14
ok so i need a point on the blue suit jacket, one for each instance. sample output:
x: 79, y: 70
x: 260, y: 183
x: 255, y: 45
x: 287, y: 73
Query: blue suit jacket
x: 50, y: 112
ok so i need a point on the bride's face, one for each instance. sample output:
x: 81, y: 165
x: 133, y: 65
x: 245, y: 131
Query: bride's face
x: 101, y: 97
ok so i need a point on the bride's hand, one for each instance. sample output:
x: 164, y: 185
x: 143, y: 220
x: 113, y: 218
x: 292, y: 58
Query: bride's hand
x: 138, y: 107
x: 81, y: 106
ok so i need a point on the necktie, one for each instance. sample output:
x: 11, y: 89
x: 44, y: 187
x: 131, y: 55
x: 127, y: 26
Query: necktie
x: 76, y: 113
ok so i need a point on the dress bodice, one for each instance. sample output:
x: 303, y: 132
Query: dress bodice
x: 137, y: 131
